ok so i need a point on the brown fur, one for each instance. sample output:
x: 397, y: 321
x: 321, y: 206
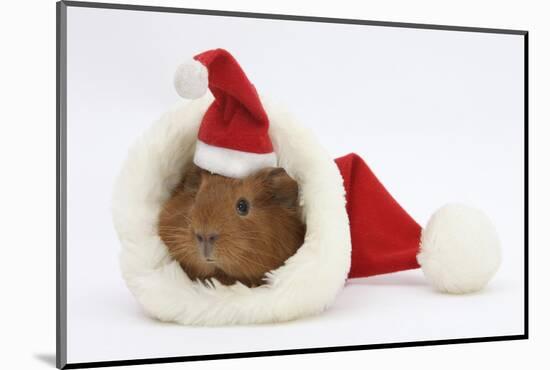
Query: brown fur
x: 247, y: 246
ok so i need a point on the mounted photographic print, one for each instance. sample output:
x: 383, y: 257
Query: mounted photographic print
x: 236, y: 184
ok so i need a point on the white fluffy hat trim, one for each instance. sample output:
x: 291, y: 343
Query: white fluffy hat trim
x: 305, y: 285
x: 229, y: 162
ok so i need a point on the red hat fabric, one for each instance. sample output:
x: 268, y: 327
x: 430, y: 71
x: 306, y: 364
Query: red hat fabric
x: 233, y: 135
x: 384, y: 237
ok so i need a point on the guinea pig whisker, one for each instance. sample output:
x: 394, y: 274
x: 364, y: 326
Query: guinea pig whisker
x: 181, y: 254
x: 174, y: 232
x: 177, y: 228
x: 171, y: 235
x: 182, y: 243
x: 263, y: 254
x: 178, y: 212
x: 257, y: 251
x: 172, y: 240
x: 185, y: 217
x: 245, y: 259
x: 260, y: 234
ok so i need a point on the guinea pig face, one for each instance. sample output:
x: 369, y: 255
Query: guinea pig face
x: 234, y: 229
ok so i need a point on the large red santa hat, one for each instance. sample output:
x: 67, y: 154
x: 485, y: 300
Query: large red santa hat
x: 458, y: 250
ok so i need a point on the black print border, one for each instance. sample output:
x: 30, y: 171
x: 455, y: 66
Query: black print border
x: 61, y: 159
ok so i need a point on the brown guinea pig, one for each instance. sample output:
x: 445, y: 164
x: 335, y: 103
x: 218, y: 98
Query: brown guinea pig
x: 232, y: 229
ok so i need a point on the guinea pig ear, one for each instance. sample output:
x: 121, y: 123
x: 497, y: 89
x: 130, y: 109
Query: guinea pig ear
x: 192, y: 178
x: 283, y: 189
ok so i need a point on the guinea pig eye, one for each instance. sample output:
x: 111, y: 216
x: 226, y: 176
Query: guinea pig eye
x: 242, y: 207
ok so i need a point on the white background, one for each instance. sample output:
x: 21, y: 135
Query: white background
x: 437, y: 114
x: 29, y: 308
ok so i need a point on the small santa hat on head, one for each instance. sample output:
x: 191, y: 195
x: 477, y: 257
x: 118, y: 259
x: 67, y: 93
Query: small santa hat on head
x: 233, y: 138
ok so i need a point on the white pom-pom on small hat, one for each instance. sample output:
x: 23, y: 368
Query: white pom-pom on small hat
x: 459, y: 249
x: 191, y: 79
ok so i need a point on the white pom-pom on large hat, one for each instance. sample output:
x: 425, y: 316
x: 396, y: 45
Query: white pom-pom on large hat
x: 459, y: 249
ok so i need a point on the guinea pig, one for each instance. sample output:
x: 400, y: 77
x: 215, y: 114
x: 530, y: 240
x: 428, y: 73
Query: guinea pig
x: 232, y: 229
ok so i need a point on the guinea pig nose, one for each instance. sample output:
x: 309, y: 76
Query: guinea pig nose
x: 206, y: 243
x: 207, y: 238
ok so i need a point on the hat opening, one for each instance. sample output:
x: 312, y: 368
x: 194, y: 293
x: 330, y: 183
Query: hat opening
x: 308, y: 281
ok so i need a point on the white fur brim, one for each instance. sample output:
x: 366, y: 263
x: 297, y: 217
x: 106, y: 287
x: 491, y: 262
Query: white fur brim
x: 229, y: 162
x: 307, y: 283
x: 459, y: 250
